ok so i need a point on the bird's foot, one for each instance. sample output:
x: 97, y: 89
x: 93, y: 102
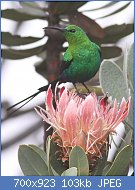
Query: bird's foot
x: 80, y: 93
x: 86, y: 87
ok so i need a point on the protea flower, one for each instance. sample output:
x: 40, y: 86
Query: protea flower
x: 85, y: 122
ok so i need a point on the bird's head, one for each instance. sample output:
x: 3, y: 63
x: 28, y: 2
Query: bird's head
x: 72, y: 33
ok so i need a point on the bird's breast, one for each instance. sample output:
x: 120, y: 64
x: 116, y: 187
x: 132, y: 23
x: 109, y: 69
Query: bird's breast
x: 84, y: 66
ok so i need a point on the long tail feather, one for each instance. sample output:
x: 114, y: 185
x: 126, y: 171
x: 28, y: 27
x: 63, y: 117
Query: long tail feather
x: 42, y: 89
x: 20, y: 107
x: 30, y: 97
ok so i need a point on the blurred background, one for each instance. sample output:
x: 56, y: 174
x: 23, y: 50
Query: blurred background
x: 31, y: 58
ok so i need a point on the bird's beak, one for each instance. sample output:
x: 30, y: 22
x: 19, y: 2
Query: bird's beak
x: 54, y: 28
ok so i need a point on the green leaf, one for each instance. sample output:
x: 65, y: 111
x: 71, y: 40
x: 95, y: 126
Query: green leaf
x: 58, y: 8
x: 108, y: 5
x: 32, y: 161
x: 130, y: 65
x: 48, y: 141
x: 106, y: 168
x: 114, y: 12
x: 127, y: 140
x: 19, y: 15
x: 56, y: 164
x: 121, y: 162
x: 92, y: 28
x: 101, y: 165
x: 116, y: 32
x: 39, y: 151
x: 15, y: 40
x: 21, y: 54
x: 113, y: 81
x: 79, y: 160
x: 30, y: 4
x: 128, y: 68
x: 44, y: 157
x: 32, y: 8
x: 70, y: 172
x: 130, y: 118
x: 54, y: 172
x: 104, y: 6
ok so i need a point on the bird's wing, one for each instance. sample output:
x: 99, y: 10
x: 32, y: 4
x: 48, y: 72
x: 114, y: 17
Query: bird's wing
x: 64, y: 65
x: 66, y: 61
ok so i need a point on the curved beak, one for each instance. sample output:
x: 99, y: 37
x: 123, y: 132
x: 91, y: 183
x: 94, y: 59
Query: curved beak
x: 54, y: 28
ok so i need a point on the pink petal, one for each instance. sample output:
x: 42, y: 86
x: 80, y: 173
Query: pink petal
x: 43, y: 115
x: 111, y: 115
x: 97, y: 128
x: 49, y: 99
x: 87, y: 110
x: 124, y: 114
x: 63, y: 101
x: 80, y: 140
x: 123, y: 107
x: 70, y: 119
x: 96, y: 105
x: 65, y: 137
x: 61, y: 90
x: 104, y: 103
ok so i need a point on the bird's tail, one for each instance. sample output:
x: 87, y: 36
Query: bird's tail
x: 28, y: 99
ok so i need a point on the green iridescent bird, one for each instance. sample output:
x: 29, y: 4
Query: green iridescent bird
x: 81, y: 60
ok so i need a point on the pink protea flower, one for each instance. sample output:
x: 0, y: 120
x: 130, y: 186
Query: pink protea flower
x: 82, y: 122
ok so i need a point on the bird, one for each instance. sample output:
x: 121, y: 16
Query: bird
x: 81, y: 60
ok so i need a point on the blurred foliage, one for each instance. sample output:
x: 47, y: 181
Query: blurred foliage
x: 34, y: 161
x: 60, y: 14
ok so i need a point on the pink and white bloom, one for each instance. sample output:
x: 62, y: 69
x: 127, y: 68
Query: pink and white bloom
x: 82, y: 122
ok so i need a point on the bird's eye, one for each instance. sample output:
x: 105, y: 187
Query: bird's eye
x: 72, y: 30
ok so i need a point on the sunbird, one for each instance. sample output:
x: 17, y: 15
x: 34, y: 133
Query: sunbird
x: 81, y: 61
